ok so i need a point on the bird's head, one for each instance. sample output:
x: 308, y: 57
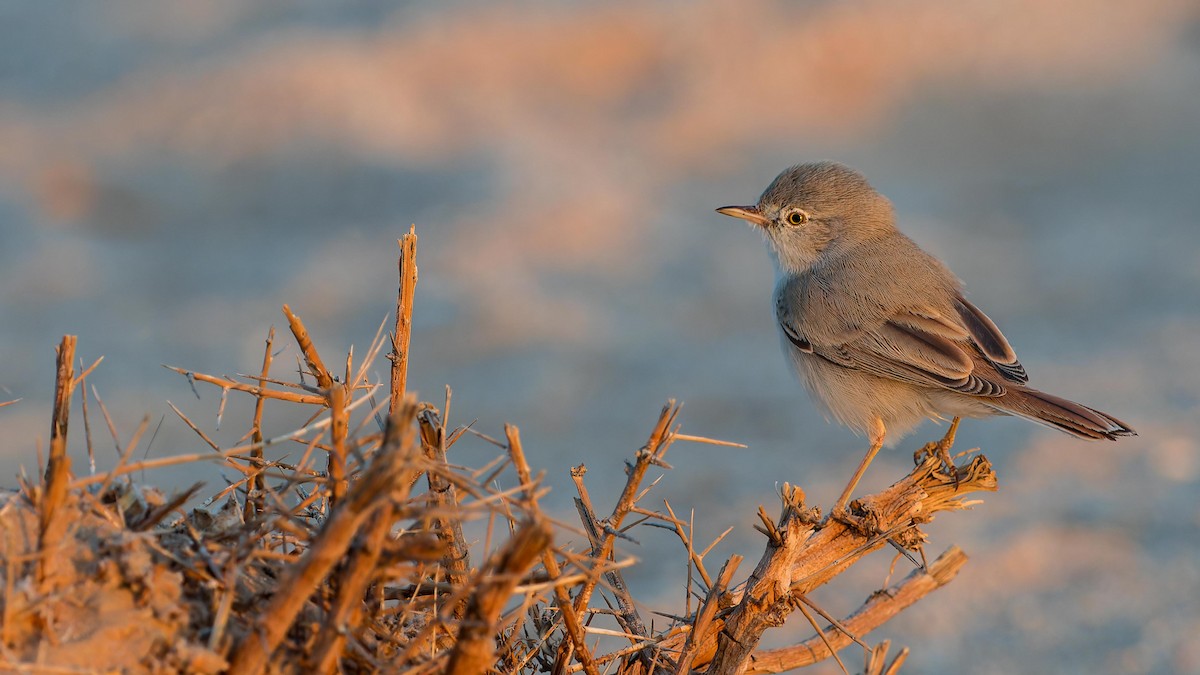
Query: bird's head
x: 814, y: 210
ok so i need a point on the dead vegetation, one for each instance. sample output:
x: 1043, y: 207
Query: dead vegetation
x: 352, y: 558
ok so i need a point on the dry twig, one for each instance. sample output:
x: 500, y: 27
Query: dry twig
x: 473, y: 650
x: 254, y: 493
x: 58, y: 468
x: 385, y: 481
x: 404, y: 305
x: 358, y: 570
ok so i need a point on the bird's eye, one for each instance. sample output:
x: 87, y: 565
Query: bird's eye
x: 797, y: 218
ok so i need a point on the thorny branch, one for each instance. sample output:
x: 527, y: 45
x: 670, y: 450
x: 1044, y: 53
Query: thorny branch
x: 359, y: 567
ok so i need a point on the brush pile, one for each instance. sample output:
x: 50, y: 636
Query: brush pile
x: 353, y: 558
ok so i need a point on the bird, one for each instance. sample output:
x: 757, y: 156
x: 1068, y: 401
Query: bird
x: 880, y: 331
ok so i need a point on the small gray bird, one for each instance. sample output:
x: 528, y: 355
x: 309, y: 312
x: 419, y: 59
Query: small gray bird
x: 878, y: 329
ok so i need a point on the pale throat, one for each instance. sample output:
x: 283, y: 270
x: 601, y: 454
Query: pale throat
x: 790, y: 258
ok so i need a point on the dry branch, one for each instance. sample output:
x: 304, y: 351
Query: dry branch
x: 359, y: 569
x: 404, y: 305
x: 315, y: 365
x: 651, y: 453
x: 385, y: 481
x: 562, y: 598
x: 877, y: 663
x: 339, y: 426
x: 701, y: 629
x: 882, y: 606
x: 58, y: 467
x: 801, y: 556
x: 254, y: 496
x: 263, y: 392
x: 352, y: 582
x: 626, y: 614
x: 473, y: 651
x: 444, y: 502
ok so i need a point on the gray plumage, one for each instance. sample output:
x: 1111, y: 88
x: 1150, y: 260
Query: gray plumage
x: 878, y: 329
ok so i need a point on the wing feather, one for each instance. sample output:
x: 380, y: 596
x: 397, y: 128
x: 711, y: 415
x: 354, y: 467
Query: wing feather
x: 922, y: 348
x: 991, y: 342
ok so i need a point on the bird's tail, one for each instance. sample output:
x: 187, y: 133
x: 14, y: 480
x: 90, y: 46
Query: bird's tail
x: 1075, y: 419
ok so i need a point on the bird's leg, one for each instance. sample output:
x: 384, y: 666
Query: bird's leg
x: 840, y: 510
x: 941, y: 449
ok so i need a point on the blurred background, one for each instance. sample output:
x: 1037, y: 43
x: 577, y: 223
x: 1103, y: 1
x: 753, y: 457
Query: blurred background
x: 172, y: 172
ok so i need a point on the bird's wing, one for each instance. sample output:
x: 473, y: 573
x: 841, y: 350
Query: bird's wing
x: 964, y: 353
x: 990, y: 341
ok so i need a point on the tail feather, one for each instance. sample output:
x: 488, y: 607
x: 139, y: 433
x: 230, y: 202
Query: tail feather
x: 1059, y: 413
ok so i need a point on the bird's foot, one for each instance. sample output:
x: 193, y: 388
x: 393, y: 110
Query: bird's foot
x: 941, y: 450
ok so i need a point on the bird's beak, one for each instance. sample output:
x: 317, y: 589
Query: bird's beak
x: 750, y: 214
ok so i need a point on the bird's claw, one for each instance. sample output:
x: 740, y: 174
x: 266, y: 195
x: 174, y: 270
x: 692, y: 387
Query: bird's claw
x: 941, y: 450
